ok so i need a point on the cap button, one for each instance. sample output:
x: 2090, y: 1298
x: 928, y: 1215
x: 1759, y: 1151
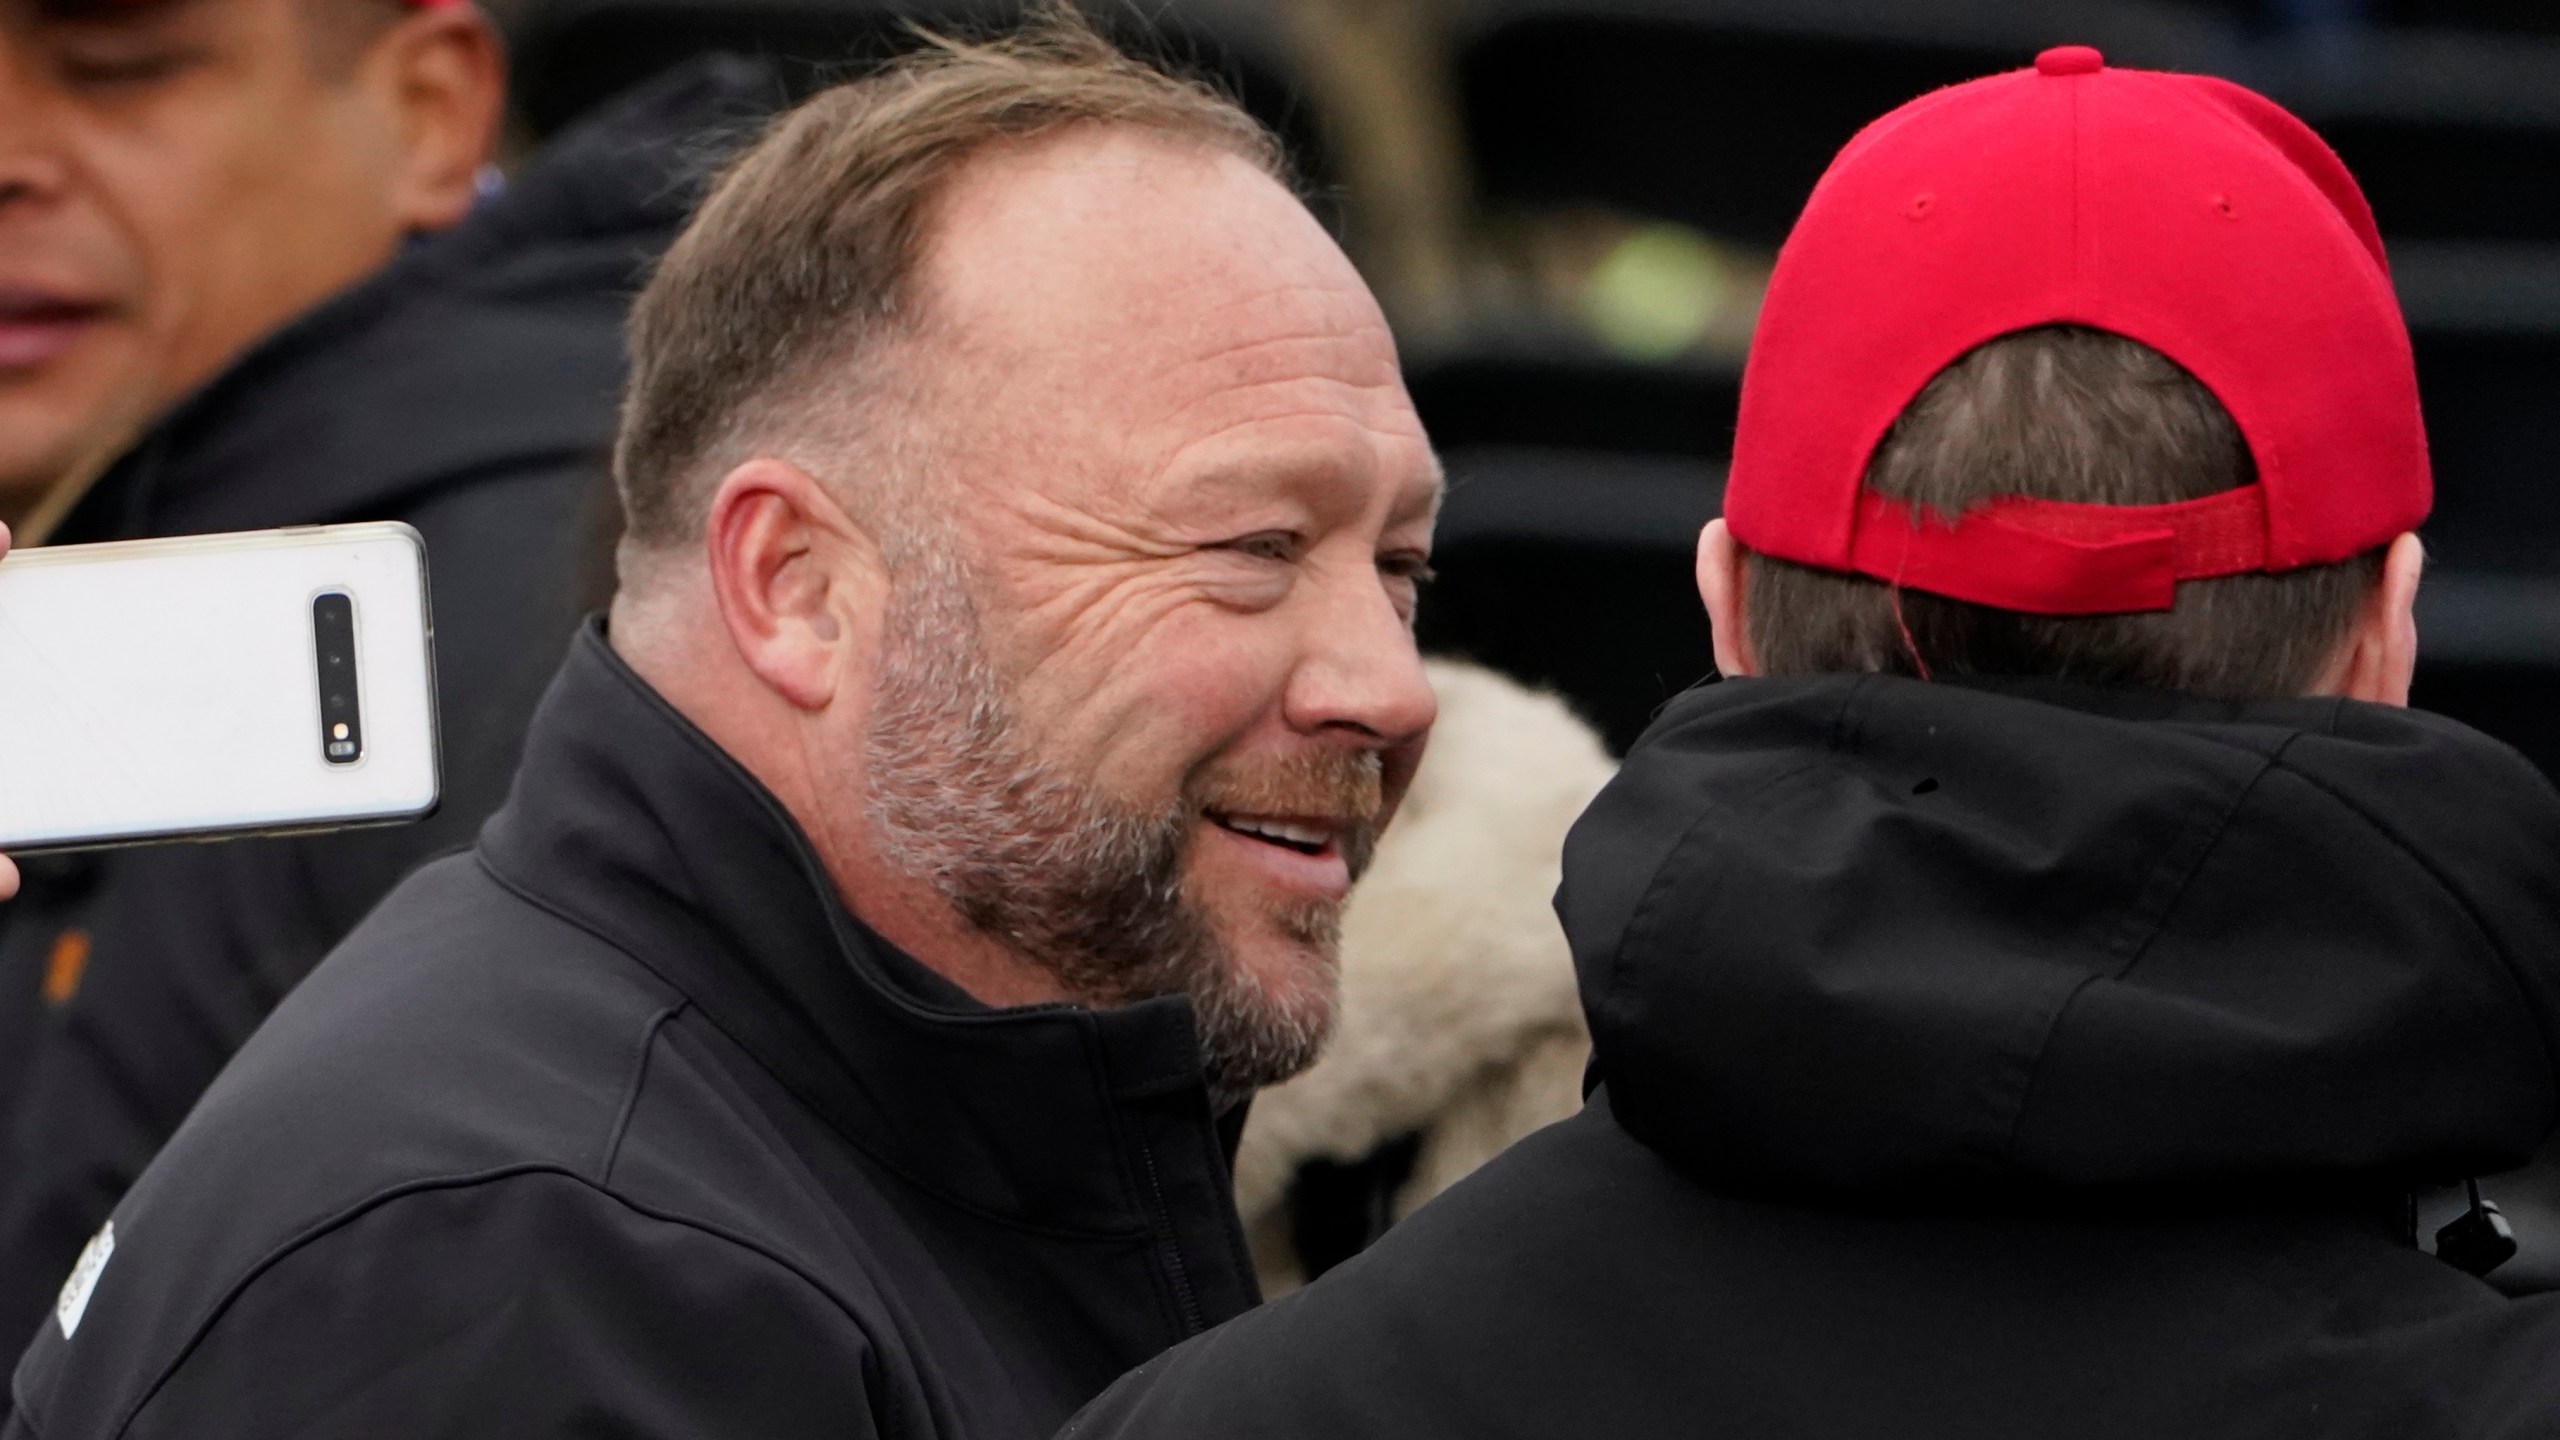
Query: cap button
x: 2070, y: 60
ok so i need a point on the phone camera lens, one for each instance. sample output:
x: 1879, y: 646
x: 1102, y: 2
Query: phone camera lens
x: 333, y: 637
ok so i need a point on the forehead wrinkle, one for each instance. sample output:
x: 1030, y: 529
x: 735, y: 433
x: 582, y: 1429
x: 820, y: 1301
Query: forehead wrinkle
x: 1112, y: 337
x: 1359, y: 352
x: 1308, y: 305
x: 1370, y: 448
x: 1303, y: 312
x: 1358, y: 357
x: 1371, y: 402
x: 1265, y: 359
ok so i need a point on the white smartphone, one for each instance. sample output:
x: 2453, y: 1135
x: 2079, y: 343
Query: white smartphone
x: 258, y: 683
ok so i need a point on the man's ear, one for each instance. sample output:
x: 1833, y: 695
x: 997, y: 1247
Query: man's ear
x: 794, y: 576
x: 1720, y: 576
x: 2380, y: 654
x: 444, y: 71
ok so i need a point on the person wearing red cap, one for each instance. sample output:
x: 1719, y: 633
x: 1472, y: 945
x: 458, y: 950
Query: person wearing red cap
x: 2042, y: 991
x: 253, y: 273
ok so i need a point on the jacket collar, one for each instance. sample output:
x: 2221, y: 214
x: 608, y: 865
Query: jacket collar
x: 492, y: 346
x: 629, y: 822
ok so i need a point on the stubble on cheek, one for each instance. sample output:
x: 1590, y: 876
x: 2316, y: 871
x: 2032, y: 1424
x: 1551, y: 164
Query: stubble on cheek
x: 1102, y: 891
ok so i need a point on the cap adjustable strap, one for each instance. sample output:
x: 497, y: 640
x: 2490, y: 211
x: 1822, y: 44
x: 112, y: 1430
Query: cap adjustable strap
x: 2046, y: 557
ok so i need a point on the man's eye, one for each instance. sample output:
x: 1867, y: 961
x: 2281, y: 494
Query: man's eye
x: 1406, y: 573
x: 1415, y: 569
x: 1276, y: 545
x: 105, y: 69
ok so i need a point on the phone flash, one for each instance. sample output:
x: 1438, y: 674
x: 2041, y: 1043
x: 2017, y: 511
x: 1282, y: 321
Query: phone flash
x: 338, y: 731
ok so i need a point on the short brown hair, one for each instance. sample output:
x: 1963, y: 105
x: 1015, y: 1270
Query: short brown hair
x: 2062, y: 413
x: 801, y: 260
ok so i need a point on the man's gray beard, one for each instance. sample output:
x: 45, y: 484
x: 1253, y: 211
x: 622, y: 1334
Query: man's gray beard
x: 1086, y: 888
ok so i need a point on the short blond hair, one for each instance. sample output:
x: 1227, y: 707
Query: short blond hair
x: 801, y: 260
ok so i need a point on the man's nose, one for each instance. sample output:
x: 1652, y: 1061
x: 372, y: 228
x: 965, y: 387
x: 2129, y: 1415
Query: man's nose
x: 32, y: 165
x: 1361, y: 671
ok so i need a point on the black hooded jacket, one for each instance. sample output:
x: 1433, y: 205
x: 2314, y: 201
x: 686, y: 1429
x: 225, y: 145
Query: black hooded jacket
x: 470, y: 390
x: 1984, y: 1063
x: 623, y: 1125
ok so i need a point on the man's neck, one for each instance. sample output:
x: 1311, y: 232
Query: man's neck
x: 33, y: 520
x: 34, y: 512
x: 908, y: 914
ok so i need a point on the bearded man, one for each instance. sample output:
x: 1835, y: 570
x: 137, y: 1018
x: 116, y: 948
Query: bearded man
x: 1011, y: 670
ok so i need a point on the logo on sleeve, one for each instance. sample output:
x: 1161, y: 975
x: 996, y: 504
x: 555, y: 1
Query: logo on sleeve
x: 84, y: 1278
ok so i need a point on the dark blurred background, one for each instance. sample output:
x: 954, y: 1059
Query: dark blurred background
x: 1570, y: 208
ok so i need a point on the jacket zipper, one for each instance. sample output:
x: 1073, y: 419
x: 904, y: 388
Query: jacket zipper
x: 1184, y: 1298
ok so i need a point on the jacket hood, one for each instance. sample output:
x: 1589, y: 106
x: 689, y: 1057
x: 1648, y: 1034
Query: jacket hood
x: 1896, y: 942
x: 494, y: 346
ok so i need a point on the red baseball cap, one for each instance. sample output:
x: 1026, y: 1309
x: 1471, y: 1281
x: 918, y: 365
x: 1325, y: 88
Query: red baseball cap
x: 2180, y: 211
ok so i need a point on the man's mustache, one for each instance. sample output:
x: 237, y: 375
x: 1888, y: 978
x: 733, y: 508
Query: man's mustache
x: 1342, y: 789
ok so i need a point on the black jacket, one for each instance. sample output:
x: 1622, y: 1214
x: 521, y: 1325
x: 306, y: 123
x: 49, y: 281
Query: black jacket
x: 622, y: 1125
x: 1983, y: 1064
x: 469, y: 389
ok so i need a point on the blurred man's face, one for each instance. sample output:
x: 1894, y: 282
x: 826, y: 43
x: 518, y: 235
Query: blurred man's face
x: 1145, y: 714
x: 177, y: 178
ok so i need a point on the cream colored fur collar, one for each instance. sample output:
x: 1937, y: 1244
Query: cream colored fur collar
x: 1459, y: 1018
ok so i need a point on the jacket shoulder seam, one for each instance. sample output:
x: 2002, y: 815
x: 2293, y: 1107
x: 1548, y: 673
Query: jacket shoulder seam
x: 639, y: 1074
x: 2131, y: 945
x: 319, y: 1229
x: 639, y: 1081
x: 2137, y: 934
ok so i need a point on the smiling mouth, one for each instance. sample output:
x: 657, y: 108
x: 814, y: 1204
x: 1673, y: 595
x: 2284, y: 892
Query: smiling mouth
x: 1305, y: 837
